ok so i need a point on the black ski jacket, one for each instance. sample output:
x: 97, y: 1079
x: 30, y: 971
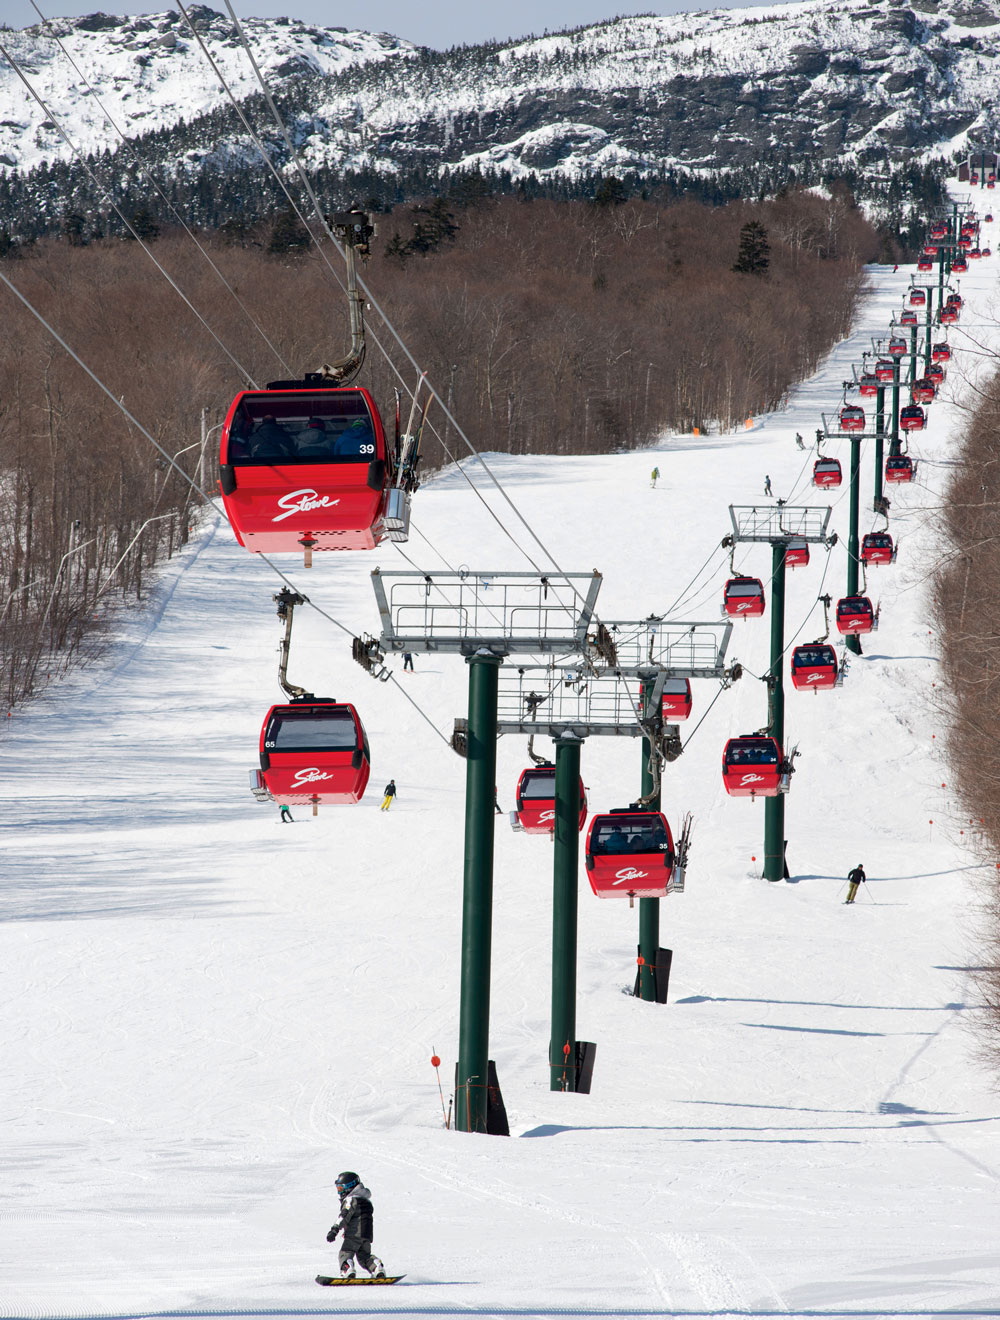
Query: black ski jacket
x: 356, y: 1214
x: 857, y: 876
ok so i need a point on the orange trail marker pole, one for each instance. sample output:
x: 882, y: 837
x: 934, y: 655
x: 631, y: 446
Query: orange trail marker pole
x: 436, y: 1064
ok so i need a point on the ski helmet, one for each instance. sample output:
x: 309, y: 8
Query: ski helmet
x: 346, y: 1182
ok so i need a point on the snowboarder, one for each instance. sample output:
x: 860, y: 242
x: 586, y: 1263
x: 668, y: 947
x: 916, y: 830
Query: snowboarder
x: 854, y: 878
x: 799, y: 442
x: 286, y: 814
x: 407, y: 661
x: 653, y: 476
x: 767, y: 485
x: 356, y: 1219
x: 390, y: 793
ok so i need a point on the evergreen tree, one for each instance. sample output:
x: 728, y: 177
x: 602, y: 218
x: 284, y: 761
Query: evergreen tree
x: 754, y: 255
x: 288, y: 235
x: 610, y: 192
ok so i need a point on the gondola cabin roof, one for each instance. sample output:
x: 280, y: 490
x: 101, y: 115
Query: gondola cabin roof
x: 855, y: 614
x: 877, y: 548
x: 744, y: 598
x: 630, y: 854
x: 676, y: 702
x: 752, y: 766
x: 535, y: 800
x: 814, y: 665
x: 314, y: 752
x: 827, y: 472
x: 305, y: 465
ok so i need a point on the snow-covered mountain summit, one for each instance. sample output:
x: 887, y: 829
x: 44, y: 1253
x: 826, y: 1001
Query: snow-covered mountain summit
x: 810, y: 88
x: 150, y: 72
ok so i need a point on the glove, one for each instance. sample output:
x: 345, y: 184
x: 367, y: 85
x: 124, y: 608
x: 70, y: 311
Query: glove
x: 332, y: 1235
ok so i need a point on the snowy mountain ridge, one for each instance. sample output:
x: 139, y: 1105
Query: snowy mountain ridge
x: 818, y: 83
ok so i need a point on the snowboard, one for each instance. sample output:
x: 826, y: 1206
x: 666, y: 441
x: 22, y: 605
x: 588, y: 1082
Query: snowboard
x: 326, y: 1281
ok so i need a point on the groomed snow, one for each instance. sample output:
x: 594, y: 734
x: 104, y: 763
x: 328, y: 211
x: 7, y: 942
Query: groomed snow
x: 207, y: 1014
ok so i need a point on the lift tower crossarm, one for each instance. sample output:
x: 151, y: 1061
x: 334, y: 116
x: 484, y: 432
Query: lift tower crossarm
x: 474, y: 610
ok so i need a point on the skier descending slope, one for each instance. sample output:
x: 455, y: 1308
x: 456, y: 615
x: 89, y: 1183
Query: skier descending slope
x: 356, y: 1219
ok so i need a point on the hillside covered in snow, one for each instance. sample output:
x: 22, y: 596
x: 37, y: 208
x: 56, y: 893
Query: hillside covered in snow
x: 207, y: 1014
x: 801, y: 90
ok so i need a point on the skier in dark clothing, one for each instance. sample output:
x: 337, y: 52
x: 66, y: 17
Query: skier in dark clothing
x: 390, y: 793
x: 407, y: 661
x: 356, y: 1219
x: 854, y: 878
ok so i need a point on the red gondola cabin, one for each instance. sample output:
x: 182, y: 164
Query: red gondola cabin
x: 827, y: 472
x: 925, y: 264
x: 868, y: 384
x: 630, y: 854
x: 908, y: 317
x: 852, y: 418
x: 899, y: 468
x: 796, y: 554
x: 912, y: 417
x: 314, y: 752
x: 754, y: 767
x: 935, y: 374
x: 949, y: 315
x: 675, y: 704
x: 960, y: 266
x: 305, y: 468
x: 536, y: 801
x: 855, y: 614
x: 918, y: 298
x: 941, y: 352
x: 897, y: 346
x: 885, y: 371
x: 939, y: 230
x: 924, y: 390
x: 877, y: 548
x: 744, y: 598
x: 814, y: 666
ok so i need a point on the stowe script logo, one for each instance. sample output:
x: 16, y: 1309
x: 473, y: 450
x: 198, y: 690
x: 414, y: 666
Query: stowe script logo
x: 309, y: 776
x: 629, y: 873
x: 749, y: 777
x: 303, y: 501
x: 543, y: 816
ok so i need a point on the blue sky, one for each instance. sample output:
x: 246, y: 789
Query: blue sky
x: 434, y: 24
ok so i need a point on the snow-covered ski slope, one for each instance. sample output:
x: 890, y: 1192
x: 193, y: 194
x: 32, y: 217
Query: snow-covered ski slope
x: 208, y: 1014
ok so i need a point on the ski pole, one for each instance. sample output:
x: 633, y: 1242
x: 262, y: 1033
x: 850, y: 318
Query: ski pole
x: 868, y: 892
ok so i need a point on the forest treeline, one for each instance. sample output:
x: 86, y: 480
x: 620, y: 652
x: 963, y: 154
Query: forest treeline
x: 967, y: 614
x: 550, y: 327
